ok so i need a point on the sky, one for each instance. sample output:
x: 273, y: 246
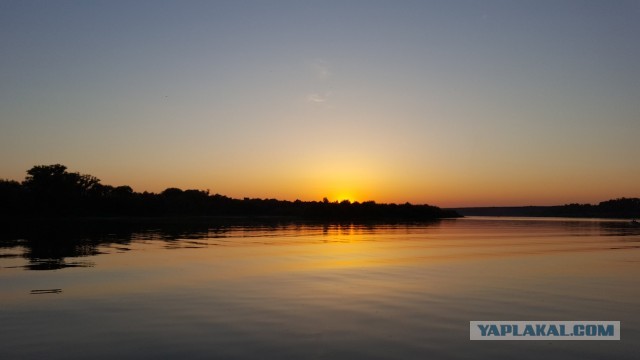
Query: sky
x: 450, y: 103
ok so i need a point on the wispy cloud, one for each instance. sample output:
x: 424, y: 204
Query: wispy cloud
x: 321, y: 73
x: 316, y: 98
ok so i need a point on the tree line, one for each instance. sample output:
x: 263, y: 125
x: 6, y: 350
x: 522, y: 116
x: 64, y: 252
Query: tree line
x: 628, y: 208
x: 52, y: 191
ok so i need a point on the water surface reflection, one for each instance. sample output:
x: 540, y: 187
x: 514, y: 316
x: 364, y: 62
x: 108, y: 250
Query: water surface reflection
x: 311, y: 290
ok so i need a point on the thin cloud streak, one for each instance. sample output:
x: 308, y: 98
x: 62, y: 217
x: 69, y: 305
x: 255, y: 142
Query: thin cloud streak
x: 316, y: 98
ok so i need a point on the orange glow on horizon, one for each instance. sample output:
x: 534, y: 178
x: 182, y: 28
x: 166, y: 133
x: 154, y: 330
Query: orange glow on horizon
x: 337, y: 180
x: 342, y: 196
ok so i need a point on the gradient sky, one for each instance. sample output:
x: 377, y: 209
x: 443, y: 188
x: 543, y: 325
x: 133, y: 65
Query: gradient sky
x: 451, y: 103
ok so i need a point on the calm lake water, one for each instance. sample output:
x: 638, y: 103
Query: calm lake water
x: 300, y: 291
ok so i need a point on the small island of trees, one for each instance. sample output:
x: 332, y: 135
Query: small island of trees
x: 52, y: 191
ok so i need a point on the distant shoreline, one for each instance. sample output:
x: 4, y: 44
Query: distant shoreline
x: 50, y: 191
x: 623, y: 208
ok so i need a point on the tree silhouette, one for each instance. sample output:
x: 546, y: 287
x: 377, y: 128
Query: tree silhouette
x: 52, y: 189
x: 11, y: 197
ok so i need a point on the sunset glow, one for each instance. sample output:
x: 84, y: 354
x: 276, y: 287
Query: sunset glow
x: 446, y: 103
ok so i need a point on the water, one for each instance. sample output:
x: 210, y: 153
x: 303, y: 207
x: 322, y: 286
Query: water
x: 309, y: 291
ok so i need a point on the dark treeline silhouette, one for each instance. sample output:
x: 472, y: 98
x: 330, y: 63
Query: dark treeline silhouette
x: 628, y: 208
x: 52, y: 191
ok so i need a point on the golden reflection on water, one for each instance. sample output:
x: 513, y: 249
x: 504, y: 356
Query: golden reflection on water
x: 339, y: 289
x: 262, y: 253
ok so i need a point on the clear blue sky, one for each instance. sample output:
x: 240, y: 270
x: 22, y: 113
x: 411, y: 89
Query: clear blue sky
x: 445, y: 102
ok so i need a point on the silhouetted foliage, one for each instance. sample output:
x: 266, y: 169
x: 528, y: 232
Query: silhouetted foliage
x: 50, y: 190
x: 12, y: 197
x: 617, y: 208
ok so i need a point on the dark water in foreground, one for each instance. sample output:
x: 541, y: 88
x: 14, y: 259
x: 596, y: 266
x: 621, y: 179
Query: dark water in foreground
x: 317, y: 291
